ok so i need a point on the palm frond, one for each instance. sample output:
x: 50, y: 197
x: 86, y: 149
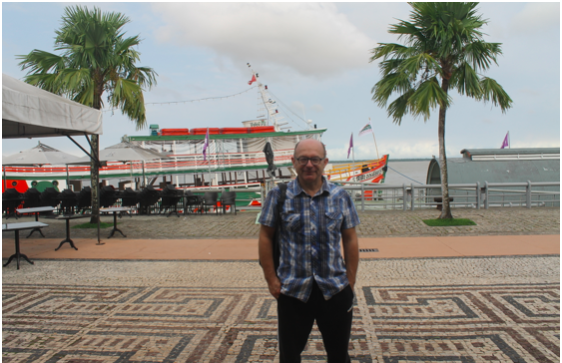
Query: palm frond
x: 87, y: 95
x: 482, y: 54
x: 385, y: 50
x: 494, y: 92
x: 416, y: 64
x: 46, y: 81
x: 465, y: 80
x: 427, y: 96
x: 74, y: 79
x: 400, y: 107
x: 38, y: 61
x: 394, y: 82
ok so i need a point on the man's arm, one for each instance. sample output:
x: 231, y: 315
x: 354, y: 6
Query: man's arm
x: 265, y: 247
x: 351, y: 253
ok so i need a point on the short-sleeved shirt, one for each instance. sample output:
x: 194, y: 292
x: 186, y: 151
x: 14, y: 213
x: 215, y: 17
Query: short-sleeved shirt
x: 310, y: 238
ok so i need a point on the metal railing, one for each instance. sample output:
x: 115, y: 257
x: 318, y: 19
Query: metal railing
x: 473, y: 195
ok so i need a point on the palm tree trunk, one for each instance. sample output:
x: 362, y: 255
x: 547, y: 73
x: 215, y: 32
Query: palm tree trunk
x: 95, y: 167
x: 446, y: 208
x: 95, y: 180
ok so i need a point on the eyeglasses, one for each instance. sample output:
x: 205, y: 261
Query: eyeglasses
x: 304, y: 160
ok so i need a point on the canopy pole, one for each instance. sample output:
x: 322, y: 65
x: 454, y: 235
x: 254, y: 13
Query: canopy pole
x: 97, y: 187
x: 143, y: 176
x: 5, y: 185
x: 99, y: 220
x: 67, y: 178
x: 80, y: 146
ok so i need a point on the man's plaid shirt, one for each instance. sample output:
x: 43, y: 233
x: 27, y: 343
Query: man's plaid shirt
x: 310, y: 238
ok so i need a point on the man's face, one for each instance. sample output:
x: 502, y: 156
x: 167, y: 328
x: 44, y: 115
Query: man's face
x: 309, y: 173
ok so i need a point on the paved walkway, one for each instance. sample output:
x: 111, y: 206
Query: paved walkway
x: 488, y: 293
x: 500, y: 221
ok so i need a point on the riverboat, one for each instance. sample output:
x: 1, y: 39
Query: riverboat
x: 234, y: 157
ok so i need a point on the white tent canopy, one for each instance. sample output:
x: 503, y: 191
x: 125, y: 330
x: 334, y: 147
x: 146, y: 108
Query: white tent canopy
x: 123, y: 152
x: 39, y: 155
x: 28, y: 111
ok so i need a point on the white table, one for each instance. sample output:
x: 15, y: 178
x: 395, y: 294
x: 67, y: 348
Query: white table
x: 67, y: 218
x: 36, y: 211
x: 17, y: 227
x: 115, y: 211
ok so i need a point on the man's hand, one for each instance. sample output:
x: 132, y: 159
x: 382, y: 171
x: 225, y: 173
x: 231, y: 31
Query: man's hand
x: 351, y: 254
x: 351, y: 284
x: 266, y: 260
x: 274, y: 287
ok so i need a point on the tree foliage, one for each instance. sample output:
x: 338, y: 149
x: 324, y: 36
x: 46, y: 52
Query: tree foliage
x: 95, y: 58
x: 443, y: 49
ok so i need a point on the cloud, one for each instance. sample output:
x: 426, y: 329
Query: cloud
x: 299, y: 107
x: 313, y: 39
x: 317, y: 108
x: 536, y: 18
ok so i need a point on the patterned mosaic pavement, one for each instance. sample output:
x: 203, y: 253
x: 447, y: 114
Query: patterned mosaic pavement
x: 394, y: 323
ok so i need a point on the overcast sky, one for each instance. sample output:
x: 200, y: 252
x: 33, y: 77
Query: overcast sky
x: 314, y: 57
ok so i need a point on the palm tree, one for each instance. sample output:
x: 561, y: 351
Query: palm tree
x: 96, y: 58
x: 444, y: 49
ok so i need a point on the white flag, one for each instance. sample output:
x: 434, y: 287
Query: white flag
x: 366, y: 129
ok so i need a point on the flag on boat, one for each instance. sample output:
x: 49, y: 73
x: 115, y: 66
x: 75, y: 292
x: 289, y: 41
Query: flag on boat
x: 350, y: 145
x: 206, y: 145
x: 252, y: 80
x: 505, y: 141
x: 366, y: 129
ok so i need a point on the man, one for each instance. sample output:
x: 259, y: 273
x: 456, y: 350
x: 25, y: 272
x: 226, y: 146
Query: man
x: 312, y: 281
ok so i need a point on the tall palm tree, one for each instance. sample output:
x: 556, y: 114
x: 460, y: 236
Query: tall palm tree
x: 444, y: 49
x: 96, y: 58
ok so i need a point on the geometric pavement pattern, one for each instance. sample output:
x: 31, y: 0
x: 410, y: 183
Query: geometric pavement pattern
x: 392, y: 324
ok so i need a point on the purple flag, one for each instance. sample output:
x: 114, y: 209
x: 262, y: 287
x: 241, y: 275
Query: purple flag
x: 505, y: 141
x: 205, y: 146
x: 350, y: 145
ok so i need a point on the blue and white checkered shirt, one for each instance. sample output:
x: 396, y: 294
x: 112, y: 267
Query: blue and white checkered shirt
x: 310, y: 238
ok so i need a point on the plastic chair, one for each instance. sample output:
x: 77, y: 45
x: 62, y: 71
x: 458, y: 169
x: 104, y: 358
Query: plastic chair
x: 228, y: 198
x: 192, y: 203
x: 209, y: 199
x: 11, y: 199
x: 32, y: 198
x: 170, y: 198
x: 84, y: 200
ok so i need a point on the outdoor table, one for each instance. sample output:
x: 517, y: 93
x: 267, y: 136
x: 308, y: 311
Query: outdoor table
x: 36, y: 211
x: 68, y: 217
x: 17, y: 227
x: 115, y: 211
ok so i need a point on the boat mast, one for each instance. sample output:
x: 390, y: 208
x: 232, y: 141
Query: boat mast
x: 373, y: 131
x: 270, y: 105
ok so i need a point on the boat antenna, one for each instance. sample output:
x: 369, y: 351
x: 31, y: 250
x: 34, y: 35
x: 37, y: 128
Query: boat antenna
x: 270, y: 105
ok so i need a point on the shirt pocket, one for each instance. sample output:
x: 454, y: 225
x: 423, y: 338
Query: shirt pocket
x: 334, y: 221
x: 292, y: 221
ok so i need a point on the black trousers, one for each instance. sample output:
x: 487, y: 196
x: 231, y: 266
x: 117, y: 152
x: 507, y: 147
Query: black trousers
x: 333, y: 318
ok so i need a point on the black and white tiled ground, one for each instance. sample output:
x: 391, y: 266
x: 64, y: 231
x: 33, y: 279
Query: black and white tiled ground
x: 507, y: 320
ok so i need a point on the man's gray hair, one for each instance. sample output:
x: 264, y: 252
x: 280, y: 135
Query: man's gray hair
x: 323, y: 146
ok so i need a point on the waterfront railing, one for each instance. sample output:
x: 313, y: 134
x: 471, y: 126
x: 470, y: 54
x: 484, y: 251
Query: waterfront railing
x: 471, y: 195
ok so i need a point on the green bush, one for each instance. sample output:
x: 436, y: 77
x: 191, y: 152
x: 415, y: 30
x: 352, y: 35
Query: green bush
x: 449, y: 222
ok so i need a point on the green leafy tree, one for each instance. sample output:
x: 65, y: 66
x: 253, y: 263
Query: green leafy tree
x: 444, y: 49
x: 96, y: 58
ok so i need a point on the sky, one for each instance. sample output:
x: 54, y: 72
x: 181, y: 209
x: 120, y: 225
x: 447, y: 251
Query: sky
x: 315, y: 60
